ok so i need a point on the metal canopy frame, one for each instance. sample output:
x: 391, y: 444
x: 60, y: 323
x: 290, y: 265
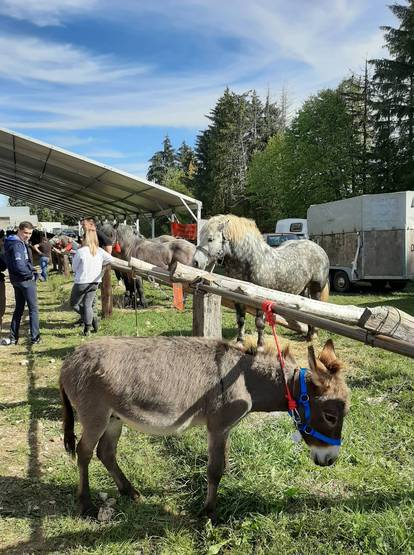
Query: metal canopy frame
x: 54, y: 178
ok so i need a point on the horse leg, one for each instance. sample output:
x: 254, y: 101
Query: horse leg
x: 106, y: 453
x: 260, y: 326
x: 217, y: 455
x: 90, y: 437
x: 241, y: 318
x: 140, y: 290
x: 315, y: 292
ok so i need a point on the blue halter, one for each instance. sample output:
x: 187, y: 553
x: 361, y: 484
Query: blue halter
x: 305, y: 427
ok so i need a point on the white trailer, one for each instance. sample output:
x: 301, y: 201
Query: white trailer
x: 369, y: 238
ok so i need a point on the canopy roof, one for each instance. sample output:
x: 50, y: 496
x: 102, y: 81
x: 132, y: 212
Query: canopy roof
x: 54, y: 178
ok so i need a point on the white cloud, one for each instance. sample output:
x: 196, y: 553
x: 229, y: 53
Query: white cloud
x: 29, y: 58
x: 45, y: 12
x: 305, y: 49
x: 69, y: 141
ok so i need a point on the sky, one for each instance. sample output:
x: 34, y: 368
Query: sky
x: 109, y: 80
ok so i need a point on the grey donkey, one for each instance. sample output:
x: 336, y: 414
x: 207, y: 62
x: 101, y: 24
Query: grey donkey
x: 163, y: 385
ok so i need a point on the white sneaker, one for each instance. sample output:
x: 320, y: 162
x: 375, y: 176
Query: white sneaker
x: 5, y: 341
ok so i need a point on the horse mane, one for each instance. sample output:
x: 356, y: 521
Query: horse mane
x: 235, y: 227
x: 250, y: 346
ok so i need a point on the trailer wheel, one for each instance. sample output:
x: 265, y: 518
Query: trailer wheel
x: 341, y: 282
x: 397, y: 284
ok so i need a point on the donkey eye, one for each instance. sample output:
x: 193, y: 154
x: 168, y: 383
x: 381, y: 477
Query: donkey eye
x: 210, y: 239
x: 330, y: 418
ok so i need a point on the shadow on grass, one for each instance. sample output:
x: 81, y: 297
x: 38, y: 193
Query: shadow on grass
x: 132, y: 522
x: 44, y: 404
x: 238, y: 503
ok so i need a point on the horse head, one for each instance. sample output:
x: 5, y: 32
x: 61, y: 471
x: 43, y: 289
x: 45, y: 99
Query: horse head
x: 221, y: 236
x: 214, y: 243
x: 323, y: 400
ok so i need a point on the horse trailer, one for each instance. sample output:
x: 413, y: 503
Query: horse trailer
x: 368, y: 239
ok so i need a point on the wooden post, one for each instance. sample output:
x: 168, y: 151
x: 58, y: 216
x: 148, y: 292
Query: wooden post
x: 206, y: 315
x: 106, y: 293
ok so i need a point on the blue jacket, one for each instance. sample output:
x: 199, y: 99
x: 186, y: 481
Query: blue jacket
x: 18, y: 259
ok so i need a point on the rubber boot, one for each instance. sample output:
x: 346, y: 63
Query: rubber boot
x: 95, y: 324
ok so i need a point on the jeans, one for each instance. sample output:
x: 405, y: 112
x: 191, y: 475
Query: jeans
x: 44, y: 261
x: 82, y: 300
x: 25, y: 292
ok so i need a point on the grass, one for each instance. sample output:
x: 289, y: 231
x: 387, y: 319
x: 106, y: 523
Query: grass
x: 273, y: 499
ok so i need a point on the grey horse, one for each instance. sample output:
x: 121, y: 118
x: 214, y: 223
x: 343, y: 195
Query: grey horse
x: 298, y: 267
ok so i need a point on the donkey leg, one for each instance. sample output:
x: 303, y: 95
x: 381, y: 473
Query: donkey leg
x: 241, y: 317
x: 260, y: 326
x: 106, y: 453
x: 217, y: 456
x: 84, y: 450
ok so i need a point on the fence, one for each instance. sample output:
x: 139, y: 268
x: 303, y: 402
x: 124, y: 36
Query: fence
x: 383, y: 326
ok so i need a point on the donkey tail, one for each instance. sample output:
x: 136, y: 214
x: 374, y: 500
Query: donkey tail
x: 325, y: 293
x: 69, y: 438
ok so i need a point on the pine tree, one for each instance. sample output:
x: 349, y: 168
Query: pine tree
x: 394, y: 87
x: 239, y: 127
x: 355, y: 91
x: 161, y: 162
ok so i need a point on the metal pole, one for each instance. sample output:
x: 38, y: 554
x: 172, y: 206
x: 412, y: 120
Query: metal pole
x: 152, y: 227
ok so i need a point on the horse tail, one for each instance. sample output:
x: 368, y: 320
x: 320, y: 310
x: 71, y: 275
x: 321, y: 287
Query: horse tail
x: 325, y: 293
x: 69, y: 437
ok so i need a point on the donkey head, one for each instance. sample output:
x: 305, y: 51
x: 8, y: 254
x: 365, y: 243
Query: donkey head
x: 328, y: 403
x: 213, y: 246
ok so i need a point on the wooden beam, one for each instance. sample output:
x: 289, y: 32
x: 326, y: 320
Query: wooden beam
x: 327, y: 316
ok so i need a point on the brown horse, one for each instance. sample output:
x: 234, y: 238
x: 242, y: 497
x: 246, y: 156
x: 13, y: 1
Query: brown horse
x: 163, y: 385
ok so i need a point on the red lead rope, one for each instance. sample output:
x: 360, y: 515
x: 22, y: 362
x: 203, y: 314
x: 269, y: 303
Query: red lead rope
x: 271, y: 320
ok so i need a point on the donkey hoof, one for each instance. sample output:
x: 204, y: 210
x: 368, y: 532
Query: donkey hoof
x: 89, y: 511
x: 132, y: 493
x: 209, y: 514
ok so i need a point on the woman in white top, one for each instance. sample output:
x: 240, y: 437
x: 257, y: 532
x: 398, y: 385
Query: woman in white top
x: 87, y: 266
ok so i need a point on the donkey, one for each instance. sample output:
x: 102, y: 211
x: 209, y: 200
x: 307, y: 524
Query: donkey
x: 163, y: 385
x: 298, y: 267
x: 162, y: 253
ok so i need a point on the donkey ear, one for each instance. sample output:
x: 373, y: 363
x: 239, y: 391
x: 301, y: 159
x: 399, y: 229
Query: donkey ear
x: 329, y: 359
x: 318, y: 372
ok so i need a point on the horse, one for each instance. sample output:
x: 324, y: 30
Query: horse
x: 164, y: 385
x: 298, y: 267
x: 162, y: 253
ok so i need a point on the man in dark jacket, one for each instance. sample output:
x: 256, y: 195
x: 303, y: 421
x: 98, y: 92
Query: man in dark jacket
x: 23, y: 278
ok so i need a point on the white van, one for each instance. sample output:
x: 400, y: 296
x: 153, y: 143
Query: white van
x: 293, y: 225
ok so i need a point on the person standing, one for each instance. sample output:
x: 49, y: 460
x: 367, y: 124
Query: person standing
x: 23, y: 277
x: 43, y: 249
x: 87, y: 266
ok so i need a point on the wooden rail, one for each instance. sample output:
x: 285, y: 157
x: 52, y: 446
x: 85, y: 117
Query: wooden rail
x: 384, y: 327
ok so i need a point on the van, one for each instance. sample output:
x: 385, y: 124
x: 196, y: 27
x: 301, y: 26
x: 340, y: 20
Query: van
x: 293, y: 225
